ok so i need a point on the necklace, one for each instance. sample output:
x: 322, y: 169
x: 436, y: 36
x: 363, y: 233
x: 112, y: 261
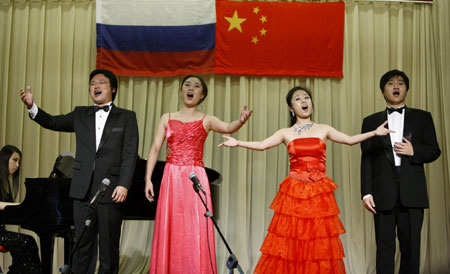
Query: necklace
x: 299, y: 129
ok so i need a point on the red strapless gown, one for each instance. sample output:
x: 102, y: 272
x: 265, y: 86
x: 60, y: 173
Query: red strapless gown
x: 303, y: 236
x: 183, y: 238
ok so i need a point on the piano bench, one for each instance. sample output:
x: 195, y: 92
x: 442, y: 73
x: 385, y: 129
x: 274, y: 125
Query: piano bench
x: 3, y: 249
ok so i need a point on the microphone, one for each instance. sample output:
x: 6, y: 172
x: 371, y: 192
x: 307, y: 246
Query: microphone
x: 100, y: 193
x: 196, y: 182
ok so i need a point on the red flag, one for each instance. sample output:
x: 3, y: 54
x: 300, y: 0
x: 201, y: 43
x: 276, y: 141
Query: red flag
x: 279, y: 38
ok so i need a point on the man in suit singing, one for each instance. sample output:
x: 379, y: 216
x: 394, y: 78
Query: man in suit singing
x: 393, y: 185
x: 106, y: 147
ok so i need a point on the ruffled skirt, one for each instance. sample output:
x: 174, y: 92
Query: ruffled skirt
x: 303, y: 236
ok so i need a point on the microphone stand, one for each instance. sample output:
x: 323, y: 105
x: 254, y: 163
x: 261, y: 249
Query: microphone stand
x: 67, y: 268
x: 232, y: 261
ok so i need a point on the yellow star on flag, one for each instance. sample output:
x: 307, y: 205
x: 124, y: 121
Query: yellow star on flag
x: 255, y: 40
x: 255, y: 10
x: 263, y: 31
x: 235, y: 21
x: 263, y: 19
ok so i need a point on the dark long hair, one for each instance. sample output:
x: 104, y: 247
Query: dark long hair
x: 292, y: 116
x: 5, y: 154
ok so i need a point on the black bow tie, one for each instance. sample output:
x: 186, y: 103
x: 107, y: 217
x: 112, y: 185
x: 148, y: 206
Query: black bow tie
x: 399, y: 110
x: 97, y: 108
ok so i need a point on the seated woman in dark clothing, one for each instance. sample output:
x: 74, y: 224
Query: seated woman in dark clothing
x: 23, y: 248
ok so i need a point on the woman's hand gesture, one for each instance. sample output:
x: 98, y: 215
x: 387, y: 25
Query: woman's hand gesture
x: 245, y: 114
x: 230, y: 142
x: 382, y: 130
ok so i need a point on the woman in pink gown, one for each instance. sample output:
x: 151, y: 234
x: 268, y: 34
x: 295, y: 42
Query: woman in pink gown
x: 183, y: 238
x: 303, y: 237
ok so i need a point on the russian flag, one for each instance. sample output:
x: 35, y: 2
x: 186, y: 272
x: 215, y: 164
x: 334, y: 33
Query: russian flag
x: 156, y: 37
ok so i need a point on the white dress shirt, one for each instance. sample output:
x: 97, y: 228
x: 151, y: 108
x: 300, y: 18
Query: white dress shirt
x: 395, y: 122
x: 100, y: 120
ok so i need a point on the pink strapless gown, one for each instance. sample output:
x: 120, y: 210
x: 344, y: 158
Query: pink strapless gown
x: 183, y: 238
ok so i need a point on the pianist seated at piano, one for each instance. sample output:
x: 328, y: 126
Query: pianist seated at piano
x: 23, y: 248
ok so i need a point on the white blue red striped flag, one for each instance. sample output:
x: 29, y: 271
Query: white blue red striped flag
x: 156, y: 37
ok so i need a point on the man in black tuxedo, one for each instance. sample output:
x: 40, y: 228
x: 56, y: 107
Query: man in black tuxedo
x: 106, y: 147
x: 393, y: 185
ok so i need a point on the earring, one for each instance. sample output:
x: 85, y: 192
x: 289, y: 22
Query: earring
x: 292, y: 113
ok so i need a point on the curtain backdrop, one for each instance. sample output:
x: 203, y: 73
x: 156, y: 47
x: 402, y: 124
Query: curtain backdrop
x: 50, y: 45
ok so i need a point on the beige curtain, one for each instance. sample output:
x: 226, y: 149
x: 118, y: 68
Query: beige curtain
x: 50, y: 45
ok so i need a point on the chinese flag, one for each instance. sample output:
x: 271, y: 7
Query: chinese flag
x: 279, y: 38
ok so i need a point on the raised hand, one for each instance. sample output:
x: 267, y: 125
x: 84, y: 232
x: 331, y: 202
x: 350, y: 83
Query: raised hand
x: 381, y: 130
x: 245, y: 114
x: 27, y: 97
x: 230, y: 142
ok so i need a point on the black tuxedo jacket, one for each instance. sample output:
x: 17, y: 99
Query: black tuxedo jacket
x: 377, y: 163
x: 116, y: 156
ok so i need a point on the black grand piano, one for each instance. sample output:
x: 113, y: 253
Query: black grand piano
x: 47, y: 208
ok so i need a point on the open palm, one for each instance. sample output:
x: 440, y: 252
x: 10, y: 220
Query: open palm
x: 230, y: 142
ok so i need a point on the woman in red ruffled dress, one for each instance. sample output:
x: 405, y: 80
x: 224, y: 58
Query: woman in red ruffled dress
x: 303, y: 236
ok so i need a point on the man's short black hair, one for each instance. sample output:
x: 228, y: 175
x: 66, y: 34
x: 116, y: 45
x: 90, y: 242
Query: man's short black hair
x: 388, y: 75
x: 108, y: 74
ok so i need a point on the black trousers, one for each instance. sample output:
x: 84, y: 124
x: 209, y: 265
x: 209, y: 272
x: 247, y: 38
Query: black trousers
x: 24, y: 252
x: 103, y: 234
x: 406, y: 223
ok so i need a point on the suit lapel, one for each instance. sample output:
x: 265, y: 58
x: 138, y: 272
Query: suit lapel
x: 90, y: 124
x: 407, y: 124
x: 407, y: 127
x: 387, y: 145
x: 110, y: 123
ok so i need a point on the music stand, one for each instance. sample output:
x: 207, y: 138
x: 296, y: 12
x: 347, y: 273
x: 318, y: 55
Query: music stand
x: 63, y: 165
